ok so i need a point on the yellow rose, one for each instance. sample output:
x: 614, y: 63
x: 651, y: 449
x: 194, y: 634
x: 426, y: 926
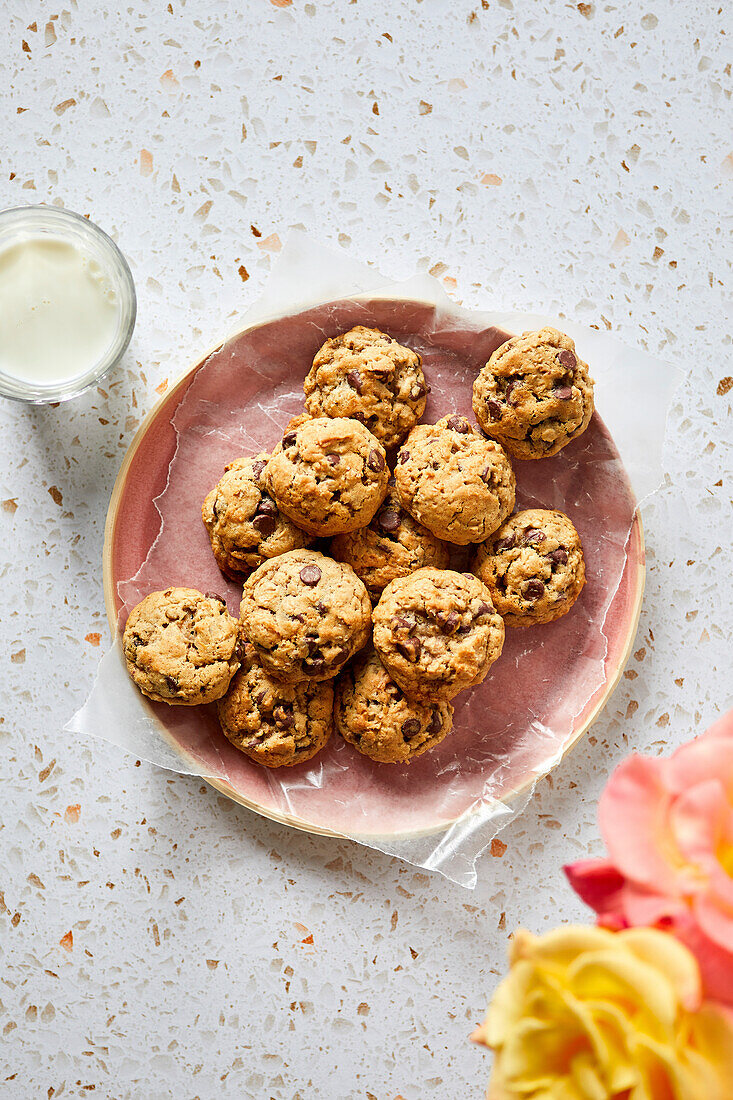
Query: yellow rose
x: 588, y: 1014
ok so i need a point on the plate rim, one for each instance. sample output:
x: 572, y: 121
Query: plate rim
x: 635, y: 543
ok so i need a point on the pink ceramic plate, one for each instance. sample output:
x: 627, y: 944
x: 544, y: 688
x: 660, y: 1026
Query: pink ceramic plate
x: 540, y: 697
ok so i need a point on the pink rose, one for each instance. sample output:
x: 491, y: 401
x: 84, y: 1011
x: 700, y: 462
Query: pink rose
x: 668, y: 828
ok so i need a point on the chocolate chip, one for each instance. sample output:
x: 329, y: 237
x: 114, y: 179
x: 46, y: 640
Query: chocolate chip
x: 392, y: 481
x: 260, y: 698
x: 410, y: 728
x: 533, y: 535
x: 410, y: 648
x: 511, y: 386
x: 567, y: 359
x: 400, y: 623
x: 563, y: 393
x: 172, y: 685
x: 485, y: 609
x: 267, y: 507
x: 215, y: 596
x: 559, y: 556
x: 459, y: 424
x: 341, y: 654
x: 289, y: 439
x: 333, y: 458
x: 315, y: 666
x: 420, y: 390
x: 436, y: 723
x: 449, y: 623
x: 283, y: 715
x: 534, y: 589
x: 355, y: 380
x: 389, y: 519
x: 360, y: 417
x: 310, y: 575
x: 257, y: 468
x: 504, y: 544
x: 494, y: 409
x: 402, y: 457
x: 265, y: 525
x: 313, y: 644
x: 486, y: 474
x: 375, y: 462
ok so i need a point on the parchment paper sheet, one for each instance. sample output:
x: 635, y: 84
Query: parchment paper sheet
x: 509, y: 731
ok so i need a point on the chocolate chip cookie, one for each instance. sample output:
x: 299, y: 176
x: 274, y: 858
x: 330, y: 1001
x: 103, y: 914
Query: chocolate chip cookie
x: 437, y: 632
x: 367, y: 375
x: 453, y: 481
x: 275, y: 724
x: 533, y: 566
x: 181, y: 647
x: 534, y: 395
x: 305, y: 614
x: 328, y: 476
x: 393, y: 545
x: 244, y: 524
x: 374, y: 715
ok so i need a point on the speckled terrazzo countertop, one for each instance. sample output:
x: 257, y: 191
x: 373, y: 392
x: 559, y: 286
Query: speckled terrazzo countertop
x: 573, y: 159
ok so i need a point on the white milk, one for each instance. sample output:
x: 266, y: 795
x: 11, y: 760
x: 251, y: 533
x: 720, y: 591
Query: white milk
x: 59, y: 313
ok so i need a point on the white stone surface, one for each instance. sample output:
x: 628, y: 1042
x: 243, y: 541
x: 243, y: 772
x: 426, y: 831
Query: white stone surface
x: 567, y: 158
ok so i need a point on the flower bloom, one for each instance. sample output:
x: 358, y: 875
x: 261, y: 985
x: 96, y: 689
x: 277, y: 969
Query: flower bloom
x: 668, y: 828
x: 588, y: 1014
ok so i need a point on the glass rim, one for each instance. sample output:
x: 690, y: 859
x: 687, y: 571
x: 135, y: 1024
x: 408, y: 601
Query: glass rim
x: 34, y: 215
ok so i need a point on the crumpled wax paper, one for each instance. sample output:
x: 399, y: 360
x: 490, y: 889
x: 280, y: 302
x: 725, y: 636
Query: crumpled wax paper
x: 441, y: 811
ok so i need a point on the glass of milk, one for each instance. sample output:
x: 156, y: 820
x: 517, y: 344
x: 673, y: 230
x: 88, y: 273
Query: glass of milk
x: 67, y: 304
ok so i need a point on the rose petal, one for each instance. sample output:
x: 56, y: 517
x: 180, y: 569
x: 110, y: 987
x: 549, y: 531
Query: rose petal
x: 618, y: 902
x: 599, y: 885
x: 645, y: 908
x: 537, y: 1053
x: 507, y: 1005
x: 698, y: 818
x: 632, y: 813
x: 704, y: 758
x: 712, y: 1030
x: 715, y: 922
x: 663, y: 1065
x: 676, y: 962
x: 623, y: 979
x: 560, y: 946
x: 715, y: 962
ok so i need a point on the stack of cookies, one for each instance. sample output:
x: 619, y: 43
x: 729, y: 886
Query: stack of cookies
x: 343, y: 538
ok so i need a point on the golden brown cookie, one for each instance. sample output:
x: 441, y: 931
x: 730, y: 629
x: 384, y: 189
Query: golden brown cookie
x: 181, y: 647
x: 393, y: 545
x: 328, y: 476
x: 296, y: 421
x: 453, y: 481
x: 244, y: 524
x: 533, y: 566
x: 437, y: 632
x: 275, y: 724
x: 305, y: 614
x: 534, y: 395
x: 367, y: 375
x: 376, y: 717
